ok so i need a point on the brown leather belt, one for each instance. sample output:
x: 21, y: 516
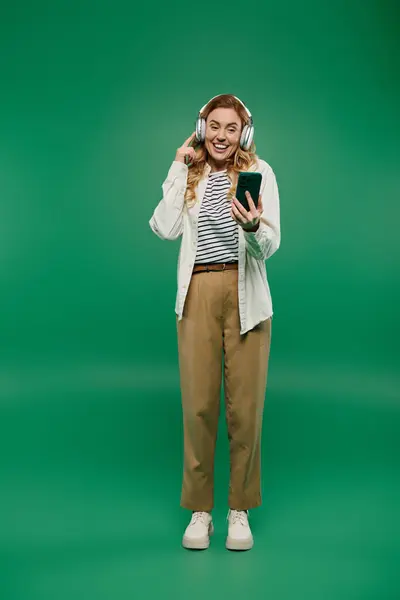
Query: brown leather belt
x: 215, y: 267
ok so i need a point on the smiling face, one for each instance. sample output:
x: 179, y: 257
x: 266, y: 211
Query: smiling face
x: 223, y: 130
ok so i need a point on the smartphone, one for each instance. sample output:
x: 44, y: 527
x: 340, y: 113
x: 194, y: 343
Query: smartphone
x: 248, y: 182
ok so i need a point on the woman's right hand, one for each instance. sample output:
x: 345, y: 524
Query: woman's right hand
x: 186, y: 150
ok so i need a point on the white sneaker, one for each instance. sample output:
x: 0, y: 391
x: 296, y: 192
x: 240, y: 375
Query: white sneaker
x: 239, y: 532
x: 197, y: 533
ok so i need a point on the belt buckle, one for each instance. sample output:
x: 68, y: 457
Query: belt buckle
x: 223, y: 266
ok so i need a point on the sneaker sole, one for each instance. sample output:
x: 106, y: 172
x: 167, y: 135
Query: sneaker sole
x: 232, y: 544
x: 199, y: 543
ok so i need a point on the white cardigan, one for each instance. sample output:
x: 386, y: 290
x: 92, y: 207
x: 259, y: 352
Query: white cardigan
x: 172, y: 218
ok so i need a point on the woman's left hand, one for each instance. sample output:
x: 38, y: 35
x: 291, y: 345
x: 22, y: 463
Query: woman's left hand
x: 248, y: 220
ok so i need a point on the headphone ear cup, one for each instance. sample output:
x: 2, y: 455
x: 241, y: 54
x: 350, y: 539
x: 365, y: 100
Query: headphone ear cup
x: 247, y: 136
x: 243, y: 137
x: 200, y: 129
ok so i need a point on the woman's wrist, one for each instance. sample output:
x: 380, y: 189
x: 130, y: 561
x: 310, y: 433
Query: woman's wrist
x: 253, y: 229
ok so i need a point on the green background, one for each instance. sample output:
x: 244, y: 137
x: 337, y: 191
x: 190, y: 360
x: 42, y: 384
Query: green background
x: 95, y: 99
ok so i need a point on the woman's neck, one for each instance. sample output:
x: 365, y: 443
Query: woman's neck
x: 216, y: 167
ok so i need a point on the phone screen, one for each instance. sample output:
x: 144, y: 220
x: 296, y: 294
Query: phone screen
x: 251, y: 182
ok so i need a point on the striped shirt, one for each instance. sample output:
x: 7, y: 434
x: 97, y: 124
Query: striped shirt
x: 218, y: 236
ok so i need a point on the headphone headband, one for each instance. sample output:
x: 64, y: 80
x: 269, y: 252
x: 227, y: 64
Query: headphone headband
x: 238, y: 99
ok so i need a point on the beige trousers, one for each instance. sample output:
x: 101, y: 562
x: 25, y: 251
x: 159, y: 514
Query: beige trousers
x: 209, y: 330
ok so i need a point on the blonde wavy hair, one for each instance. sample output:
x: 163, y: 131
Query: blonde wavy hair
x: 241, y: 160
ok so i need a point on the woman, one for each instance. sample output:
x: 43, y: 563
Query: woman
x: 223, y: 309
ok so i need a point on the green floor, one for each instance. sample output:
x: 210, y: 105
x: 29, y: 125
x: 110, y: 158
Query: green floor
x: 91, y: 480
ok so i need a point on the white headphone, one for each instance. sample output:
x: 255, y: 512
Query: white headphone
x: 246, y: 137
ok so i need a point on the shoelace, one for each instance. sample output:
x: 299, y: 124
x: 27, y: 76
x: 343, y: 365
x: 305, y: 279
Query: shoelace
x: 238, y: 515
x: 198, y: 516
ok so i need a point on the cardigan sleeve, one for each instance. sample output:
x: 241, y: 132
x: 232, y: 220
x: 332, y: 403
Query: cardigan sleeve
x: 262, y: 244
x: 167, y: 219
